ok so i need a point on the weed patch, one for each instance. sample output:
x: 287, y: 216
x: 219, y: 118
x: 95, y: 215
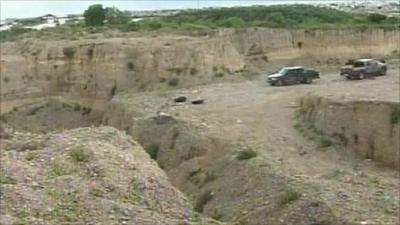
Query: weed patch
x: 152, y: 150
x: 246, y: 154
x: 173, y: 82
x: 69, y: 52
x: 31, y: 156
x: 395, y: 115
x: 81, y: 154
x: 288, y: 197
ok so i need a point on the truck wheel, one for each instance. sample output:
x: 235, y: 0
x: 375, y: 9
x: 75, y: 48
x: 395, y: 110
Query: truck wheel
x: 308, y: 80
x: 383, y: 72
x: 361, y: 76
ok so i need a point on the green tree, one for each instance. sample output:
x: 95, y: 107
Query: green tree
x: 376, y: 17
x: 115, y: 16
x: 95, y: 15
x: 234, y: 22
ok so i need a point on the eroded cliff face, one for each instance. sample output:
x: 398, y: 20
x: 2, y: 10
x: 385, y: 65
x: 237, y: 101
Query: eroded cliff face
x: 371, y: 129
x: 96, y: 70
x: 314, y: 46
x: 92, y: 71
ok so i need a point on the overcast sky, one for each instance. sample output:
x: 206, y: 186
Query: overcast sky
x: 24, y: 9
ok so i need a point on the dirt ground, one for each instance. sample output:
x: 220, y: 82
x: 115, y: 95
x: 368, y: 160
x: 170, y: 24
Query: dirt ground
x: 252, y: 113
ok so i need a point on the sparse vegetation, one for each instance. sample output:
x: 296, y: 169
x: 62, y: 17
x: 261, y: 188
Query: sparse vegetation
x: 77, y: 107
x: 395, y: 115
x: 130, y: 66
x: 6, y: 179
x: 69, y: 52
x: 152, y: 150
x: 99, y: 19
x: 220, y: 74
x: 173, y: 82
x: 193, y: 71
x: 135, y: 190
x: 324, y: 142
x: 246, y: 154
x: 60, y: 168
x: 90, y: 52
x: 288, y: 196
x: 31, y: 155
x: 81, y: 154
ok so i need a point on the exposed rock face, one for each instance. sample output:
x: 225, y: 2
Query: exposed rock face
x: 100, y: 69
x: 97, y: 69
x: 86, y: 176
x: 370, y: 128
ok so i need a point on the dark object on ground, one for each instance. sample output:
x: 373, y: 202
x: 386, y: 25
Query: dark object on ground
x: 198, y: 101
x: 180, y: 99
x: 293, y: 75
x: 363, y: 68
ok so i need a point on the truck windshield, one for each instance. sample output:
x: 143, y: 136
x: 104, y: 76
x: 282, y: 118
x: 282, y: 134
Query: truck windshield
x: 283, y: 71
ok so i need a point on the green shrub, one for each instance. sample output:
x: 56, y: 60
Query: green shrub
x: 77, y: 107
x: 69, y: 52
x: 31, y: 156
x: 152, y: 150
x: 5, y: 179
x: 81, y: 154
x: 376, y: 17
x: 288, y: 196
x: 90, y: 52
x: 395, y: 115
x: 130, y: 65
x: 324, y: 142
x: 173, y: 82
x: 95, y: 15
x: 13, y: 33
x: 220, y: 74
x: 246, y: 154
x: 202, y: 200
x: 151, y: 24
x: 132, y: 26
x: 232, y: 22
x: 193, y: 71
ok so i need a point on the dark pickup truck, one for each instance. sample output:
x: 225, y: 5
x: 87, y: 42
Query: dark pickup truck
x: 362, y: 68
x: 293, y: 75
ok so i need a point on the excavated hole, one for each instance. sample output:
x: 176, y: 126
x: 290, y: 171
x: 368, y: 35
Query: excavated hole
x: 51, y: 116
x: 168, y: 141
x: 206, y: 169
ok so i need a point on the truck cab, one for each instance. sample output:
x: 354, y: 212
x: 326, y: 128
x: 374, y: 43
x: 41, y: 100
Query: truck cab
x: 362, y: 68
x: 292, y: 75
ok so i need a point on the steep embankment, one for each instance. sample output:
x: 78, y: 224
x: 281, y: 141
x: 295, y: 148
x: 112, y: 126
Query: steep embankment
x: 96, y: 70
x: 312, y: 47
x: 87, y: 175
x: 91, y: 71
x: 371, y: 129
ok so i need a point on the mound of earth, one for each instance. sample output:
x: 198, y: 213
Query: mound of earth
x: 86, y: 176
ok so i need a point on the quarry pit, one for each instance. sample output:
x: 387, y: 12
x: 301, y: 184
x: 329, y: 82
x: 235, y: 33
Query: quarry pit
x: 325, y: 153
